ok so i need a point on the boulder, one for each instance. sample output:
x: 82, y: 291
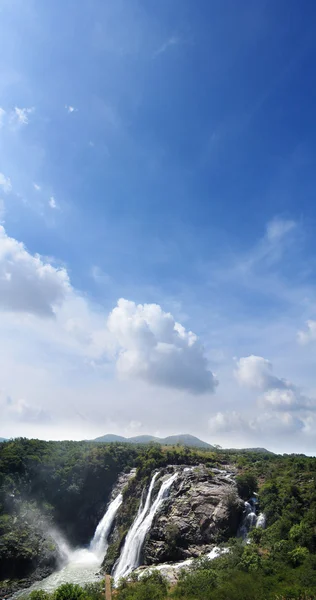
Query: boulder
x: 203, y: 509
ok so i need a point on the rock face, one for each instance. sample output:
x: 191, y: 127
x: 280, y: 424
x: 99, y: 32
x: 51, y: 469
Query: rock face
x: 203, y: 509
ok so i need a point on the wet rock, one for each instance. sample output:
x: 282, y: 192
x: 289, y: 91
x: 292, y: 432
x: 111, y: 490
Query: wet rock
x: 203, y: 509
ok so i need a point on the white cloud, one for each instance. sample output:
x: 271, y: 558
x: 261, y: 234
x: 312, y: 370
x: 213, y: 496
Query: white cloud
x: 5, y: 183
x: 153, y: 347
x: 228, y: 422
x: 21, y: 115
x: 287, y: 399
x: 2, y: 116
x: 52, y: 202
x: 27, y: 284
x: 255, y: 372
x: 99, y: 276
x: 21, y: 410
x: 70, y: 109
x: 278, y: 228
x: 36, y: 187
x: 304, y: 337
x: 278, y: 236
x: 265, y: 423
x: 2, y: 210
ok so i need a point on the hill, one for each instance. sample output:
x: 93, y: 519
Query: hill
x: 183, y: 440
x: 248, y: 450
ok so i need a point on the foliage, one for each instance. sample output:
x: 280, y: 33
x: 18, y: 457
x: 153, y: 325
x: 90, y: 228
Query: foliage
x: 247, y: 485
x: 39, y: 595
x: 70, y: 591
x: 149, y: 587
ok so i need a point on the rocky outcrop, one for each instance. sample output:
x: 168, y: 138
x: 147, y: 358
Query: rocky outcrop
x: 172, y: 571
x: 122, y: 481
x: 203, y: 509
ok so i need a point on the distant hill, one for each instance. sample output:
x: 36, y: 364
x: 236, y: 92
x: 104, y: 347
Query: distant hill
x: 3, y: 439
x: 109, y: 438
x: 258, y: 450
x: 254, y: 450
x: 183, y: 439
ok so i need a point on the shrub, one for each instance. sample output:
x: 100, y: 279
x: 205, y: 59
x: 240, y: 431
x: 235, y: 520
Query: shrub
x: 198, y: 584
x: 70, y: 591
x: 298, y: 556
x: 247, y: 484
x: 150, y: 587
x: 39, y: 595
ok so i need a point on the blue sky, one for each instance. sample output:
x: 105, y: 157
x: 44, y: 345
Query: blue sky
x: 163, y: 153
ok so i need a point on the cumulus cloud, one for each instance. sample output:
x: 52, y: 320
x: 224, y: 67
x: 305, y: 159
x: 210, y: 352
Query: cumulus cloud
x: 255, y: 372
x: 27, y: 283
x: 309, y: 335
x: 152, y: 346
x: 265, y: 423
x: 287, y: 399
x: 36, y: 187
x: 70, y: 109
x: 228, y: 422
x: 5, y: 183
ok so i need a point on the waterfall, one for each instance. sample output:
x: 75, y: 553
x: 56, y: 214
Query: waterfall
x: 64, y: 549
x: 130, y: 555
x: 250, y: 519
x: 99, y: 543
x: 261, y: 521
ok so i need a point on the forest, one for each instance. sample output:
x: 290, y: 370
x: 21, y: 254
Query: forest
x: 67, y: 484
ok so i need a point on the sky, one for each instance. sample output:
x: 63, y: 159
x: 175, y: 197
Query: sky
x: 158, y: 213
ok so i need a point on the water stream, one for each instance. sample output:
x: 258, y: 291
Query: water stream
x: 251, y: 519
x: 131, y: 553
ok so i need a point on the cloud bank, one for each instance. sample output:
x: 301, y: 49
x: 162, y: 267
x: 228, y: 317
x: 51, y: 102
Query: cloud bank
x: 255, y: 372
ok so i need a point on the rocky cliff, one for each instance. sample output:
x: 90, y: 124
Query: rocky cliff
x: 203, y: 508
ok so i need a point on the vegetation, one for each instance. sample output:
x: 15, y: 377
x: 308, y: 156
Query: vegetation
x: 71, y: 591
x: 68, y: 483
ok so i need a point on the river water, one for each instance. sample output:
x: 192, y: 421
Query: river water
x: 82, y: 565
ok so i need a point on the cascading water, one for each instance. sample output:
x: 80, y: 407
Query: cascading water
x: 261, y: 521
x: 250, y: 519
x: 82, y: 565
x: 99, y: 542
x: 131, y: 553
x: 64, y: 549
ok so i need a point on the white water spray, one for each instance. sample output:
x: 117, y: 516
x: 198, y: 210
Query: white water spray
x: 131, y: 553
x: 82, y: 565
x: 65, y: 551
x: 250, y: 520
x: 99, y: 542
x: 261, y: 521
